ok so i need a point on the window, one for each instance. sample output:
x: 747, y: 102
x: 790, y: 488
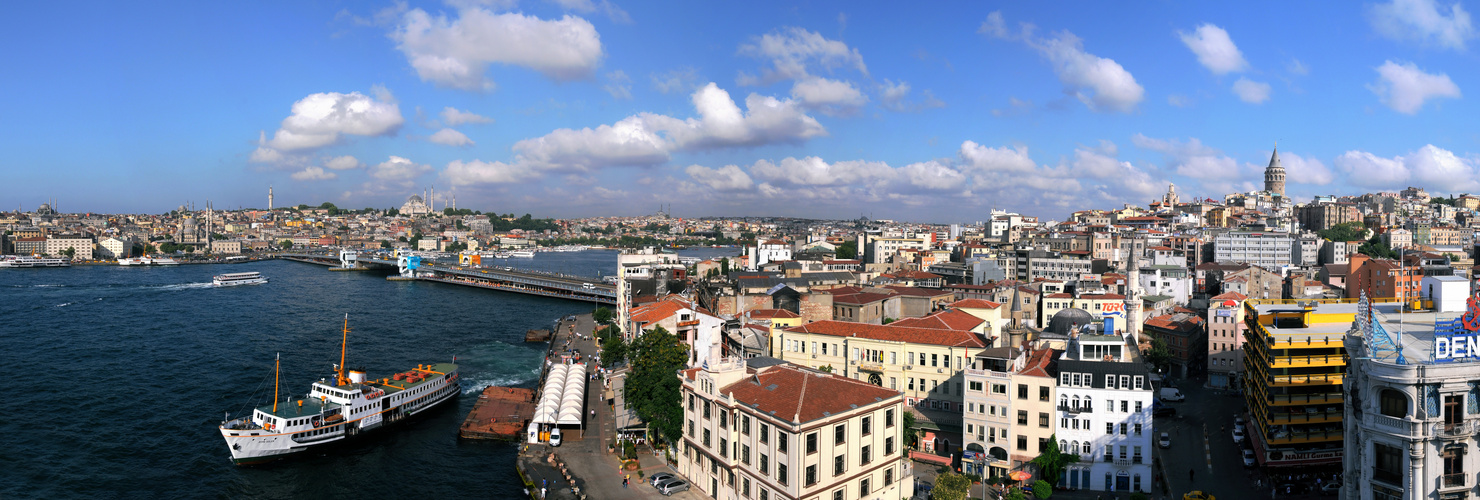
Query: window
x: 706, y: 410
x: 840, y: 433
x: 706, y: 437
x: 724, y: 447
x: 811, y: 443
x: 863, y: 489
x: 781, y: 473
x: 922, y: 359
x: 893, y: 383
x: 691, y: 402
x: 1123, y: 404
x: 1138, y: 429
x: 1043, y: 420
x: 765, y: 432
x: 745, y: 424
x: 1137, y: 456
x: 838, y: 495
x: 745, y: 487
x: 1022, y: 417
x: 1109, y: 455
x: 811, y: 472
x: 1042, y: 445
x: 1109, y: 428
x: 1043, y: 393
x: 888, y: 476
x: 866, y: 455
x: 765, y: 494
x: 765, y: 464
x: 1140, y: 381
x: 1075, y: 380
x: 1394, y: 403
x: 724, y: 419
x: 911, y: 383
x: 1022, y: 391
x: 1125, y: 382
x: 745, y: 453
x: 1064, y: 378
x: 838, y: 465
x: 1138, y: 407
x: 893, y: 358
x: 888, y: 418
x: 889, y: 445
x: 1022, y: 443
x: 867, y: 426
x: 1454, y: 466
x: 934, y: 360
x: 1122, y: 429
x: 691, y: 428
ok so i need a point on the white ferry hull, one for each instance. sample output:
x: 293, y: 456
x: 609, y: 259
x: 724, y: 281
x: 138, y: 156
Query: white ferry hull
x: 255, y: 446
x: 257, y: 281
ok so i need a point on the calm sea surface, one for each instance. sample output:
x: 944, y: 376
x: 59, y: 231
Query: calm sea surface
x: 119, y: 376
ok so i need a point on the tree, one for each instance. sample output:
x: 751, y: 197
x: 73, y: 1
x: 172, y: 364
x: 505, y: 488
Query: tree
x: 1052, y: 463
x: 848, y: 250
x: 1159, y: 355
x: 1015, y: 495
x: 911, y: 438
x: 724, y: 266
x: 951, y: 486
x: 603, y: 316
x: 70, y: 252
x: 652, y: 390
x: 286, y: 244
x: 613, y: 351
x: 1375, y: 248
x: 1346, y: 231
x: 385, y: 244
x: 1042, y: 489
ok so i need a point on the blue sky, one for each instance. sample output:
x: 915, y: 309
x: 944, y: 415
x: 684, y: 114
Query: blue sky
x: 573, y: 108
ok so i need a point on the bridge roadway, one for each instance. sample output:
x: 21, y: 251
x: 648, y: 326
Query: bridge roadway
x: 495, y: 278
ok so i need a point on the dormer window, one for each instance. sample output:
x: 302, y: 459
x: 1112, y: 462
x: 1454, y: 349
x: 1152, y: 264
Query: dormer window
x: 1109, y: 381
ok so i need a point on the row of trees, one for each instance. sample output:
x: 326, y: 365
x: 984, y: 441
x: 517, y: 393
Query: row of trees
x: 652, y: 390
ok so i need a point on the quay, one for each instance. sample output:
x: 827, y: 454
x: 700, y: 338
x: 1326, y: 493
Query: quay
x: 505, y: 279
x: 500, y: 413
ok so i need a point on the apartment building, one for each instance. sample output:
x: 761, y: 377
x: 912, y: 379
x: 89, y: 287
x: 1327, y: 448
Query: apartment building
x: 1225, y: 340
x: 1104, y: 414
x: 1294, y: 366
x: 1268, y: 249
x: 988, y: 411
x: 761, y: 429
x: 81, y: 245
x: 1032, y: 421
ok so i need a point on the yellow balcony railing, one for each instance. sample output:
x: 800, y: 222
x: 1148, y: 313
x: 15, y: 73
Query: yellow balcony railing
x: 1306, y: 418
x: 1312, y: 379
x: 1304, y: 399
x: 1308, y: 361
x: 1306, y: 437
x: 1305, y: 341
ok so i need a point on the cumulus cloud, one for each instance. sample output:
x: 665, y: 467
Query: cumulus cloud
x: 456, y: 53
x: 322, y: 119
x: 1122, y: 180
x: 1404, y: 88
x: 1251, y: 91
x: 648, y: 139
x: 1423, y: 21
x: 1214, y: 49
x: 678, y: 80
x: 830, y: 97
x: 726, y: 178
x: 454, y: 117
x: 618, y: 85
x: 790, y: 51
x: 934, y: 175
x: 1429, y: 164
x: 345, y: 162
x: 587, y: 6
x: 463, y: 173
x: 895, y: 97
x: 1098, y: 82
x: 450, y: 137
x: 1003, y: 159
x: 1191, y: 158
x: 398, y: 169
x: 814, y: 171
x: 313, y: 174
x: 1303, y: 170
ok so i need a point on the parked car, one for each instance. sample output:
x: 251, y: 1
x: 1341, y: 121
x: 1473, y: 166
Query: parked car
x: 1238, y: 422
x: 1238, y: 435
x: 555, y: 437
x: 1249, y: 458
x: 1330, y: 489
x: 672, y: 487
x: 1165, y: 441
x: 660, y: 477
x: 1198, y: 495
x: 1171, y: 394
x: 659, y: 484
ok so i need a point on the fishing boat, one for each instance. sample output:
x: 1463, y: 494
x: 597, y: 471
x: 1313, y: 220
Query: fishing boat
x: 332, y: 412
x: 233, y: 279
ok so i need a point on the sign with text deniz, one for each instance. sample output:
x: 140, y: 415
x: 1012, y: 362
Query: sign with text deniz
x: 1462, y: 341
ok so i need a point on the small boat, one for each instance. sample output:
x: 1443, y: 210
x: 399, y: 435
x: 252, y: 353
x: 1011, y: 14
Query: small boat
x: 522, y: 253
x: 28, y: 261
x: 233, y: 279
x: 336, y: 411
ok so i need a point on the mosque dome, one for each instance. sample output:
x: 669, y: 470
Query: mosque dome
x: 415, y: 198
x: 1066, y: 320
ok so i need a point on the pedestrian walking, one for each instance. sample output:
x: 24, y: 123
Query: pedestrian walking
x: 1190, y: 473
x: 624, y: 481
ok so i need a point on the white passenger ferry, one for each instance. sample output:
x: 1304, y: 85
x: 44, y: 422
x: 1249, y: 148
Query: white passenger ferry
x: 148, y: 261
x: 336, y: 411
x: 522, y: 253
x: 28, y: 261
x: 233, y: 279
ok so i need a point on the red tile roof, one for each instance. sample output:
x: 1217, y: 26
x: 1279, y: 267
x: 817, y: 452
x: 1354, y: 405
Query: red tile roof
x: 1102, y: 296
x: 975, y: 304
x: 859, y: 298
x: 891, y: 333
x: 950, y: 319
x: 772, y: 313
x: 1230, y: 296
x: 917, y: 292
x: 795, y: 394
x: 1041, y: 363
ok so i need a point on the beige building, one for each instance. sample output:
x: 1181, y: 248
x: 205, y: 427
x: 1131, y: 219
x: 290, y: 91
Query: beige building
x: 115, y: 248
x: 1032, y: 419
x: 778, y: 431
x: 229, y: 247
x: 80, y: 243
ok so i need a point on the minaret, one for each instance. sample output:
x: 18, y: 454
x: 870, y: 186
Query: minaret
x: 1133, y: 297
x: 269, y: 198
x: 1274, y: 175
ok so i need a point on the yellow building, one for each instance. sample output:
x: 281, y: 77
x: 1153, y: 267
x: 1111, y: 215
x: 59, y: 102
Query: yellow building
x: 1294, y: 361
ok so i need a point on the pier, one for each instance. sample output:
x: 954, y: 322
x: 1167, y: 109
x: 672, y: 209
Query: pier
x: 505, y: 279
x: 501, y: 413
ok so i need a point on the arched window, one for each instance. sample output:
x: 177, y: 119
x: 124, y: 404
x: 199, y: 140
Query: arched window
x: 1393, y: 403
x: 1064, y: 445
x: 1085, y: 451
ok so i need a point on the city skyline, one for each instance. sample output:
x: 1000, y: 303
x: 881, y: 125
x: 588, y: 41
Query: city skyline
x: 576, y: 108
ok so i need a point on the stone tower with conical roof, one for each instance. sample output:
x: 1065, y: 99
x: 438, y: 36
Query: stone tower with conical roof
x: 1274, y: 175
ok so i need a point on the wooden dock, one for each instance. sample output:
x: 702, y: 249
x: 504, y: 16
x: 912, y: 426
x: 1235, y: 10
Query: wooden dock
x: 537, y: 336
x: 500, y: 413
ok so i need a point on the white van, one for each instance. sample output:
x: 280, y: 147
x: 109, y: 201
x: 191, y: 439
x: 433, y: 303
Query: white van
x: 1172, y: 394
x: 555, y: 437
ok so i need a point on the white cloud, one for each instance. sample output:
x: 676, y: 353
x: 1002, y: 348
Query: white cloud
x: 456, y: 53
x: 934, y: 175
x: 997, y: 159
x: 1295, y: 67
x: 726, y: 178
x: 618, y: 85
x: 480, y: 172
x: 1214, y: 49
x: 398, y: 169
x: 1302, y: 170
x: 1251, y: 91
x: 454, y: 117
x: 1123, y: 181
x: 1098, y: 82
x: 1367, y: 169
x: 1191, y: 158
x: 587, y: 6
x: 320, y: 119
x: 831, y: 97
x: 895, y: 97
x: 648, y: 139
x: 450, y: 137
x: 1404, y: 87
x: 313, y: 174
x: 1423, y: 21
x: 345, y: 162
x: 814, y: 171
x: 1430, y: 165
x: 792, y: 49
x: 678, y: 80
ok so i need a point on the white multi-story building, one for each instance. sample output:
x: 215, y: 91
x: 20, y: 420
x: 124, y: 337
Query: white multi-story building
x: 1104, y: 412
x: 988, y: 409
x: 763, y: 429
x: 1412, y: 416
x: 81, y: 245
x: 772, y: 251
x: 1267, y: 249
x: 115, y: 247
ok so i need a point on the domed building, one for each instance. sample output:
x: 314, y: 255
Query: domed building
x: 415, y: 206
x: 1069, y: 319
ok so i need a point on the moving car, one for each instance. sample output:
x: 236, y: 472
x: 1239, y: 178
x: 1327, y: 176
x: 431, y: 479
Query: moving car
x: 1198, y: 495
x: 1165, y: 441
x: 1238, y: 435
x: 1249, y: 458
x: 672, y: 487
x: 555, y: 437
x: 660, y: 477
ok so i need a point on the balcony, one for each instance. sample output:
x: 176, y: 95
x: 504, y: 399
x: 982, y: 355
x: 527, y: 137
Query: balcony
x: 1308, y: 361
x: 1455, y: 430
x: 871, y: 367
x: 1301, y: 399
x: 1457, y: 480
x: 1076, y: 409
x: 1396, y: 425
x: 1306, y: 417
x: 1301, y: 437
x: 1123, y: 461
x: 1312, y: 379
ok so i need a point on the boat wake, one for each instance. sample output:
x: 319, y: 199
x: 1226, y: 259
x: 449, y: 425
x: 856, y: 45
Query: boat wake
x: 183, y: 286
x: 65, y: 304
x: 472, y: 385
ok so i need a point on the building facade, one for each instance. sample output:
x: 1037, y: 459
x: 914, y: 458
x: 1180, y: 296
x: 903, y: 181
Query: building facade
x: 1104, y: 415
x: 1294, y: 364
x: 80, y: 244
x: 988, y: 406
x: 1267, y: 249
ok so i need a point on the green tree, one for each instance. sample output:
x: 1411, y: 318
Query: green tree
x: 385, y: 244
x: 613, y: 351
x: 1015, y: 495
x: 603, y: 316
x: 826, y: 369
x: 70, y: 252
x: 456, y: 246
x: 1159, y: 355
x: 951, y: 486
x: 1346, y: 231
x: 1042, y: 489
x: 848, y: 250
x: 724, y: 266
x: 652, y: 390
x: 1052, y: 463
x: 911, y: 436
x: 286, y: 244
x: 1377, y: 249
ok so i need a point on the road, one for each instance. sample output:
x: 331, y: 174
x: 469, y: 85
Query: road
x: 1202, y: 441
